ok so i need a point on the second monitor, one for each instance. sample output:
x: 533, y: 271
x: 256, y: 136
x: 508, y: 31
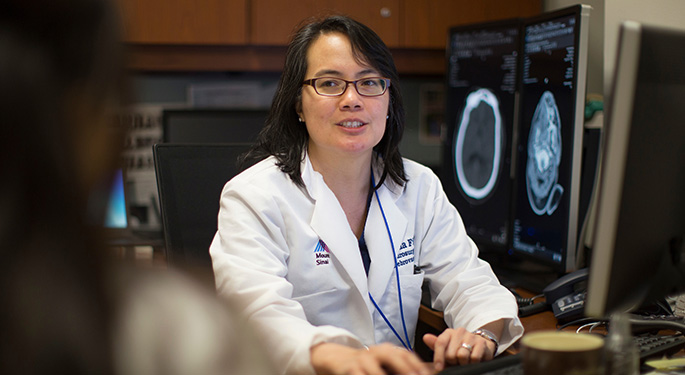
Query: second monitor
x: 545, y: 213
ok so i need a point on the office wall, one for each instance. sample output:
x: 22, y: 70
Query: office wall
x: 668, y: 13
x: 606, y: 17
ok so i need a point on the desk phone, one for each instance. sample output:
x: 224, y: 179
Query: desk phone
x: 567, y: 295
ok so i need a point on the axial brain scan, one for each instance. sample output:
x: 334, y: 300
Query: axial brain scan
x: 478, y: 145
x: 544, y: 156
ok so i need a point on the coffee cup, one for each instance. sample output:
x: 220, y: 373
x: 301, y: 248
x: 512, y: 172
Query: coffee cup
x: 561, y: 353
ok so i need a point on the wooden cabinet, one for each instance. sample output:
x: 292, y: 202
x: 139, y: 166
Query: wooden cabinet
x: 400, y: 23
x: 272, y: 22
x: 251, y: 35
x: 426, y: 22
x: 183, y: 22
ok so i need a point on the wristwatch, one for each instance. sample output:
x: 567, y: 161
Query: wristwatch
x: 484, y: 333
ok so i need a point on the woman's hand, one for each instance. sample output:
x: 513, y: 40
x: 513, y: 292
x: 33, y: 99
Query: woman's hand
x: 458, y: 346
x: 336, y: 359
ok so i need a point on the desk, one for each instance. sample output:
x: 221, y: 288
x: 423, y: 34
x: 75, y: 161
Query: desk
x: 537, y: 322
x: 431, y: 321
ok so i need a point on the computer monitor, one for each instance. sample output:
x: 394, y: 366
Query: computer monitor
x: 638, y: 248
x: 481, y: 89
x: 106, y: 207
x: 212, y: 125
x: 545, y: 216
x: 116, y: 214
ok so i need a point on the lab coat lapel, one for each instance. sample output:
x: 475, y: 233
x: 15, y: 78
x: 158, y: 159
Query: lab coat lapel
x: 330, y: 224
x: 378, y: 241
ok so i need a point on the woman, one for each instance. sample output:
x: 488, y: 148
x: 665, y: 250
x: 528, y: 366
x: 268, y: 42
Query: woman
x: 321, y: 234
x: 66, y: 307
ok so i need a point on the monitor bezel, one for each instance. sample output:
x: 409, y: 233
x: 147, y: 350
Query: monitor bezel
x: 614, y: 156
x: 612, y: 286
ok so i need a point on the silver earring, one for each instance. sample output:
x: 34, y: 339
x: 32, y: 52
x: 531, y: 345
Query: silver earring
x: 387, y: 117
x: 300, y: 119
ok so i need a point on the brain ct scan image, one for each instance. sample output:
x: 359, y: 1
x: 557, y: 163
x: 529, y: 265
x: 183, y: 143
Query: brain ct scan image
x: 483, y: 61
x: 544, y: 156
x: 478, y: 144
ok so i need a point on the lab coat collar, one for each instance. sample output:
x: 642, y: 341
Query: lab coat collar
x: 330, y: 224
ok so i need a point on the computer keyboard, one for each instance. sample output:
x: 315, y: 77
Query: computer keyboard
x: 503, y: 365
x: 649, y: 346
x: 659, y: 345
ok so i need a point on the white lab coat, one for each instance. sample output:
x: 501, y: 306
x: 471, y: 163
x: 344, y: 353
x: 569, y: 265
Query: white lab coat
x: 291, y: 255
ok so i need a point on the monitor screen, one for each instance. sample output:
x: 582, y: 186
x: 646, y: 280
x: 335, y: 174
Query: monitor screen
x: 212, y: 125
x: 638, y: 247
x: 481, y: 106
x: 115, y: 214
x: 549, y: 139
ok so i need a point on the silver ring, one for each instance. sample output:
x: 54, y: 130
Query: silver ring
x: 467, y: 346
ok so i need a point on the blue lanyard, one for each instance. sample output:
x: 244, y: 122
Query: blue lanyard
x: 397, y: 275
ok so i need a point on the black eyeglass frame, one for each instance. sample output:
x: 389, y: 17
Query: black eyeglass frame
x: 312, y: 82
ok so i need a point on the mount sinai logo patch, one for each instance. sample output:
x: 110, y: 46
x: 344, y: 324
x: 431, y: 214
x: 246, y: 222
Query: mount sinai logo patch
x: 321, y: 253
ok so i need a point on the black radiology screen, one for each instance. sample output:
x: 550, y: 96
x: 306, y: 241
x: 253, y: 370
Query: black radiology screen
x: 481, y: 87
x: 546, y: 139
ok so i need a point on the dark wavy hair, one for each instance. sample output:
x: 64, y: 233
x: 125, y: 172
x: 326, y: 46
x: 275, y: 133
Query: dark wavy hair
x: 284, y: 137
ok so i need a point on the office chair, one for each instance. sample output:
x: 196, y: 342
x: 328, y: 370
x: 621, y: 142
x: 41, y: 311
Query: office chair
x: 190, y: 178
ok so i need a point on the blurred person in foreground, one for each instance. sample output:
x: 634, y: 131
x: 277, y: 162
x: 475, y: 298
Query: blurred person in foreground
x: 67, y: 307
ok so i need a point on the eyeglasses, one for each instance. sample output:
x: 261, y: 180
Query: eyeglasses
x: 329, y: 86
